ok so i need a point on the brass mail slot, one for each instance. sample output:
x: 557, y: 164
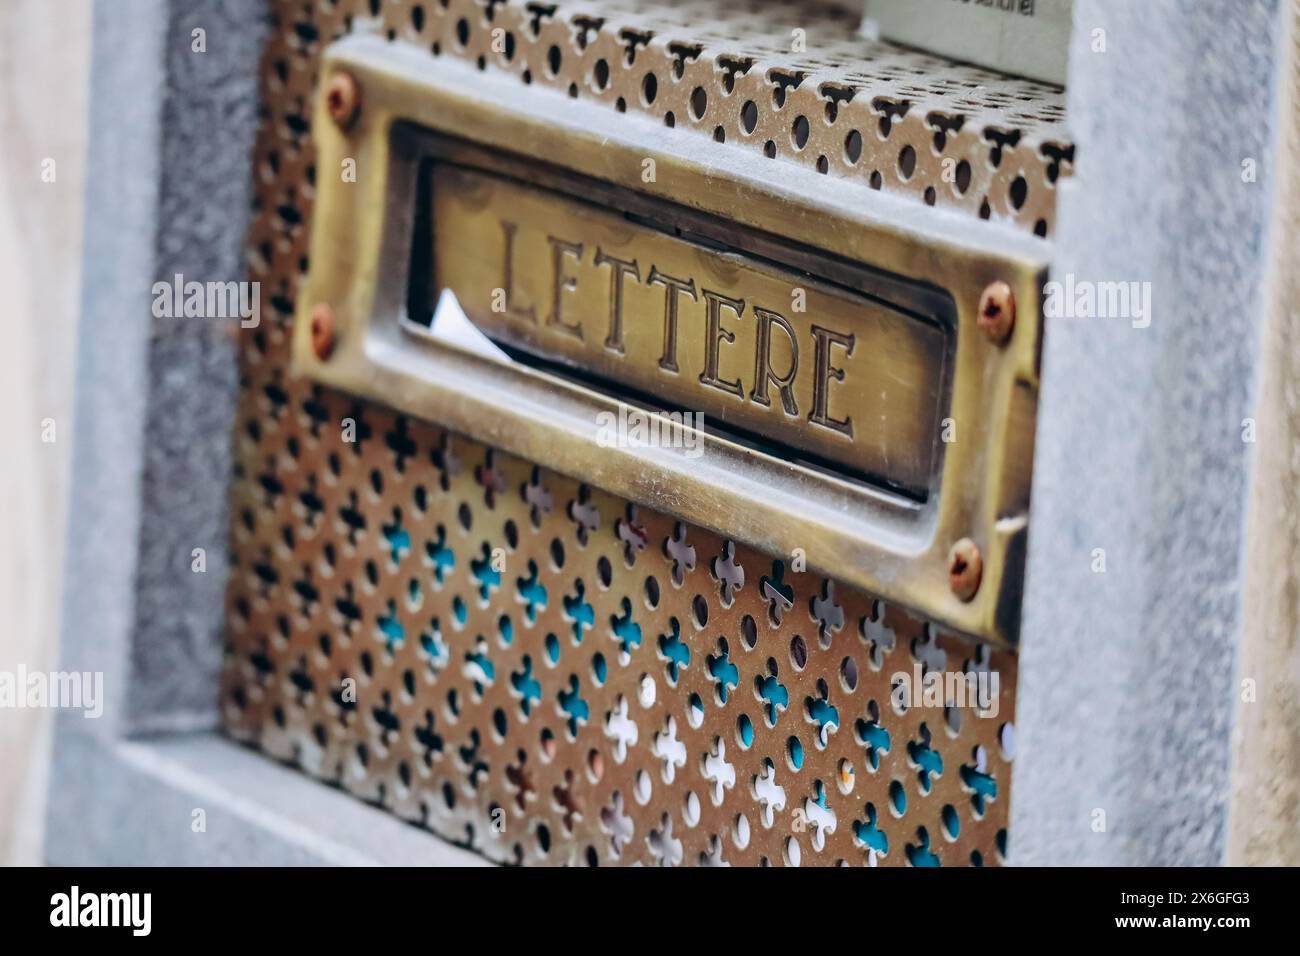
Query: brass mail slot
x: 854, y: 411
x: 681, y: 320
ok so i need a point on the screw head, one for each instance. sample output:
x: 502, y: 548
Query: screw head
x: 965, y: 568
x: 343, y: 98
x: 322, y: 331
x: 997, y: 312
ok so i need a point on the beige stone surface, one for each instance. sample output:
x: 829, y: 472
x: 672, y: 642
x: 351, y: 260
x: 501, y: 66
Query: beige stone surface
x: 44, y: 71
x: 1264, y: 824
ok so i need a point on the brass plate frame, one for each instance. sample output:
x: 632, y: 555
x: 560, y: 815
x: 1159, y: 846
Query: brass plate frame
x: 859, y: 536
x: 839, y: 295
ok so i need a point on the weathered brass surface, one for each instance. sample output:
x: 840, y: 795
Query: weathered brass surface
x: 626, y: 689
x: 952, y: 451
x: 321, y: 578
x: 750, y: 344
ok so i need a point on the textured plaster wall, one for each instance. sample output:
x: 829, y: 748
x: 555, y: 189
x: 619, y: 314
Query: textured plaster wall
x: 168, y: 192
x: 1127, y: 686
x: 204, y: 198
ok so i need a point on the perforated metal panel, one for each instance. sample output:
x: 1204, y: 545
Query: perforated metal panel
x: 538, y: 669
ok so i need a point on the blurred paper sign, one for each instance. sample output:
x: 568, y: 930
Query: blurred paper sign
x: 1028, y: 38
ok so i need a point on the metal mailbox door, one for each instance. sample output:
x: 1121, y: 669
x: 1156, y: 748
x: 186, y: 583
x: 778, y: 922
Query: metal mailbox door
x: 710, y: 551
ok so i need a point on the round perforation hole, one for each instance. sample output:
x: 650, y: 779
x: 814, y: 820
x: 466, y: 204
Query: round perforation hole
x: 691, y: 809
x: 793, y: 855
x: 744, y: 731
x: 845, y: 776
x: 849, y: 674
x: 853, y: 147
x: 595, y: 765
x: 695, y: 711
x: 794, y: 754
x: 1019, y: 192
x: 798, y: 652
x: 961, y: 181
x: 1007, y: 741
x: 897, y: 798
x: 700, y: 610
x: 951, y: 822
x: 699, y: 103
x: 652, y: 592
x: 646, y: 690
x: 906, y: 162
x: 740, y: 831
x: 799, y: 132
x: 643, y: 789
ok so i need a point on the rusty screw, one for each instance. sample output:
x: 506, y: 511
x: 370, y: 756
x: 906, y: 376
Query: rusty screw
x: 997, y: 312
x: 965, y: 568
x: 343, y: 99
x: 322, y: 331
